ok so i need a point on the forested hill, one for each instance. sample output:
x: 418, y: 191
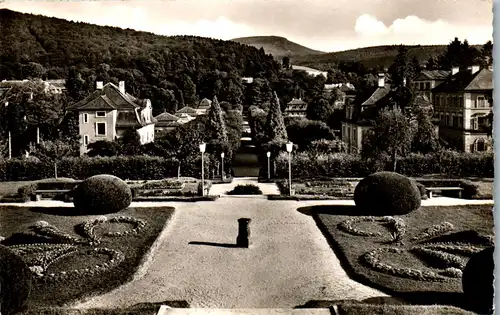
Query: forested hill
x: 153, y: 66
x: 371, y: 57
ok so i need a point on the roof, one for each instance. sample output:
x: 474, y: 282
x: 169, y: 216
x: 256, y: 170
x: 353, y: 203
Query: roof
x: 186, y: 110
x: 166, y: 117
x: 379, y: 94
x: 432, y: 75
x: 109, y: 97
x: 466, y: 81
x: 205, y: 104
x: 297, y: 101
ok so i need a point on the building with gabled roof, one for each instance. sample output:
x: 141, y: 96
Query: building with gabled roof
x: 463, y: 104
x: 426, y: 80
x: 203, y: 106
x: 166, y: 122
x: 108, y: 111
x: 186, y: 114
x: 296, y: 107
x: 359, y: 117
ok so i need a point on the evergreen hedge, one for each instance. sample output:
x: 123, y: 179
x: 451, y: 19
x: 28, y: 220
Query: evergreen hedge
x: 127, y: 167
x: 454, y: 164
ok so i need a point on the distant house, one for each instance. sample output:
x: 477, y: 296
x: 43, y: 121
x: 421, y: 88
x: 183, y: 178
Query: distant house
x: 296, y: 107
x: 166, y: 122
x: 427, y: 80
x: 186, y: 114
x: 463, y: 104
x: 52, y: 86
x: 247, y: 80
x: 359, y: 117
x: 311, y: 71
x: 204, y: 106
x: 109, y: 111
x: 347, y: 91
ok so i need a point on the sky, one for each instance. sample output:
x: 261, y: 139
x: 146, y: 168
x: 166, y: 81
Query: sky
x: 325, y: 25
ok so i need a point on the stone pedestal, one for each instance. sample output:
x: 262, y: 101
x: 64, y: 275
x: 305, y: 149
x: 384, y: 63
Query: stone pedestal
x: 243, y: 239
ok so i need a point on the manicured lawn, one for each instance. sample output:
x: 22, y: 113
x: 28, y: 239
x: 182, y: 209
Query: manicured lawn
x: 414, y: 269
x: 118, y: 257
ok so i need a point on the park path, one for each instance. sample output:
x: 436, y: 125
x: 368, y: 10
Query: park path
x: 288, y: 263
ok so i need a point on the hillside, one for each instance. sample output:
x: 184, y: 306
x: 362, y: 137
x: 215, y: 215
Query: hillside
x: 277, y: 46
x: 170, y: 70
x: 370, y: 56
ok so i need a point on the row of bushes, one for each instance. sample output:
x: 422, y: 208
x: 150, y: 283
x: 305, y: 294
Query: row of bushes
x: 126, y: 167
x: 346, y: 165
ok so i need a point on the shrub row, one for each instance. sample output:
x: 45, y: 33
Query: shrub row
x: 126, y: 167
x: 346, y: 165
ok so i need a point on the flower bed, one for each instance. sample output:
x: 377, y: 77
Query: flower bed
x: 91, y: 259
x: 427, y: 255
x: 333, y: 188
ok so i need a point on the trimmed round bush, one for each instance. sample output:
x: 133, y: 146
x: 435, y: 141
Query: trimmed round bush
x: 477, y: 281
x: 15, y: 281
x: 102, y: 194
x: 387, y: 193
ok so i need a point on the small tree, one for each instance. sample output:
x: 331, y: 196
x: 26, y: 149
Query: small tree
x: 216, y: 135
x: 130, y: 142
x: 275, y: 129
x: 390, y: 136
x: 51, y: 151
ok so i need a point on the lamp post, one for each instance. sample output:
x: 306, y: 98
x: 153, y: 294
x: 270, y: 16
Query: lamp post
x: 289, y: 147
x: 203, y: 146
x: 268, y: 165
x: 222, y: 171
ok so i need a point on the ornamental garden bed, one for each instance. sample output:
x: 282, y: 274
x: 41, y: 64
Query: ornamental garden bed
x: 72, y: 257
x: 320, y: 189
x: 421, y: 259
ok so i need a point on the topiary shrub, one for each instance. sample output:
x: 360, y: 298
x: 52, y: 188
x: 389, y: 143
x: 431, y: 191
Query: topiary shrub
x: 15, y: 281
x: 423, y: 192
x: 477, y: 281
x: 248, y: 189
x: 102, y: 194
x: 387, y: 193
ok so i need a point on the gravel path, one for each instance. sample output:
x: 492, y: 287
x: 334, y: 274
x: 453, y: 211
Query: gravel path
x: 288, y: 263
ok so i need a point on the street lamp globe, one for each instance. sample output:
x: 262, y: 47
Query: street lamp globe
x: 222, y: 155
x: 268, y: 154
x: 203, y: 146
x: 289, y: 146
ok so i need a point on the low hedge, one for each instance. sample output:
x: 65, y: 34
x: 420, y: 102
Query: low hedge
x: 127, y: 167
x: 248, y: 189
x: 451, y: 163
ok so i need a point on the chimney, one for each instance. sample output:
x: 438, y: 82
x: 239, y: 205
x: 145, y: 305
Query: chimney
x: 122, y: 87
x: 381, y: 81
x: 454, y: 70
x: 474, y: 69
x: 99, y: 85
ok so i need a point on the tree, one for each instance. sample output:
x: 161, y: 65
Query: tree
x: 130, y: 142
x: 75, y: 85
x: 431, y: 64
x: 401, y: 69
x: 104, y: 148
x: 415, y: 67
x: 216, y: 135
x: 275, y: 129
x: 487, y: 53
x: 425, y: 139
x: 305, y: 131
x: 286, y: 62
x: 390, y: 137
x: 189, y: 90
x: 52, y: 151
x: 320, y: 109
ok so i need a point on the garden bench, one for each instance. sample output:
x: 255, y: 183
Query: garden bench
x: 39, y: 193
x: 432, y: 189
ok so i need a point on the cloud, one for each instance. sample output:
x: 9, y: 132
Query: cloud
x: 414, y: 30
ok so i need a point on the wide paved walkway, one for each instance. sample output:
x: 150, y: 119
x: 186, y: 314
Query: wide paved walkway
x: 288, y: 263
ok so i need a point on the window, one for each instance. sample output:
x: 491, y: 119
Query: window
x: 481, y: 103
x: 473, y: 124
x: 427, y: 85
x: 461, y: 101
x: 85, y: 118
x: 455, y: 121
x: 85, y: 140
x: 100, y: 129
x: 100, y: 114
x: 460, y: 122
